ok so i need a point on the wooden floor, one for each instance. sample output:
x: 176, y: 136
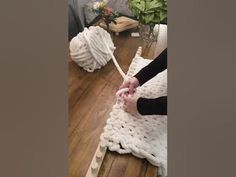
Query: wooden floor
x: 91, y: 97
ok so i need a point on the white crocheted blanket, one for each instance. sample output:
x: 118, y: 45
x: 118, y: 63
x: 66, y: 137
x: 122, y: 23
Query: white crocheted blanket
x: 143, y: 136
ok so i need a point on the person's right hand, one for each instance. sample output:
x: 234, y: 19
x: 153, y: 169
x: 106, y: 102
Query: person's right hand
x: 131, y: 83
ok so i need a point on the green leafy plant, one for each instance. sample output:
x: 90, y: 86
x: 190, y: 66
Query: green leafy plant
x: 149, y: 12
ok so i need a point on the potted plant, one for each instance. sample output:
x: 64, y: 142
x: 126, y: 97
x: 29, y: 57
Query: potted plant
x: 149, y: 13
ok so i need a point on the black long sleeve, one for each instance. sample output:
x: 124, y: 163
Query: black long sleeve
x: 158, y: 65
x: 157, y: 106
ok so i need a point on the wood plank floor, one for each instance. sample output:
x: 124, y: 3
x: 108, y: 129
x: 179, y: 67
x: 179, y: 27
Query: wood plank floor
x: 91, y: 97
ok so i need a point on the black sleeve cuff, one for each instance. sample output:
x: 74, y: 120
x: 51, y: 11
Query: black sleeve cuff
x: 156, y: 106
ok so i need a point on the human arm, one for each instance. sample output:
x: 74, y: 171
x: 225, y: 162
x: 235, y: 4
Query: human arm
x: 158, y: 65
x: 145, y: 106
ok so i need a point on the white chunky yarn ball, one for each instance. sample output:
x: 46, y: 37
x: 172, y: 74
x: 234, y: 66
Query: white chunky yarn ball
x: 89, y: 49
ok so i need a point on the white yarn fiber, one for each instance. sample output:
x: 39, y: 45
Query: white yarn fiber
x: 92, y: 48
x: 143, y: 136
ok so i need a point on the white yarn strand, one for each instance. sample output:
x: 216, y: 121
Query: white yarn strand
x: 117, y: 65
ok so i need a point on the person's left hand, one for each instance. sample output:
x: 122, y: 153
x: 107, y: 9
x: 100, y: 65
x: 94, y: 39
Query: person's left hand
x: 130, y: 103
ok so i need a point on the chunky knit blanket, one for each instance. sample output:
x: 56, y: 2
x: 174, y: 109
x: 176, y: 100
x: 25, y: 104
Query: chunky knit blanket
x: 143, y: 136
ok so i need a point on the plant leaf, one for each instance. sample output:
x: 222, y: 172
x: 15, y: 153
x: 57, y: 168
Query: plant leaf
x: 153, y: 5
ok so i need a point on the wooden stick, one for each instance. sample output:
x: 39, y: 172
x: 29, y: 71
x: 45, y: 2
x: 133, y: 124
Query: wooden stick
x: 97, y: 161
x: 100, y: 153
x: 139, y: 52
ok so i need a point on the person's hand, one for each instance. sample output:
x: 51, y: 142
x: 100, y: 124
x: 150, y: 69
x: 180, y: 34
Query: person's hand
x: 131, y: 83
x: 130, y: 104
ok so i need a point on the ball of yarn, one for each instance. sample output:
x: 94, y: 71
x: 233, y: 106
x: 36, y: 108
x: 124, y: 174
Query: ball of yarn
x: 89, y: 49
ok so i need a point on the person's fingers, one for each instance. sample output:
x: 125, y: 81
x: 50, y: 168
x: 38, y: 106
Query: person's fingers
x: 125, y: 84
x: 126, y: 93
x: 125, y: 96
x: 130, y: 96
x: 131, y: 89
x: 126, y: 99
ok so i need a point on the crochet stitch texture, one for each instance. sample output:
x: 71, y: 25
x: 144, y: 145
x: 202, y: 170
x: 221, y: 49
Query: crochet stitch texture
x: 142, y: 136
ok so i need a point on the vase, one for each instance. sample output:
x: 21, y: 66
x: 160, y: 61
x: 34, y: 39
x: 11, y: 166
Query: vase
x: 108, y: 29
x: 107, y: 26
x: 149, y: 33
